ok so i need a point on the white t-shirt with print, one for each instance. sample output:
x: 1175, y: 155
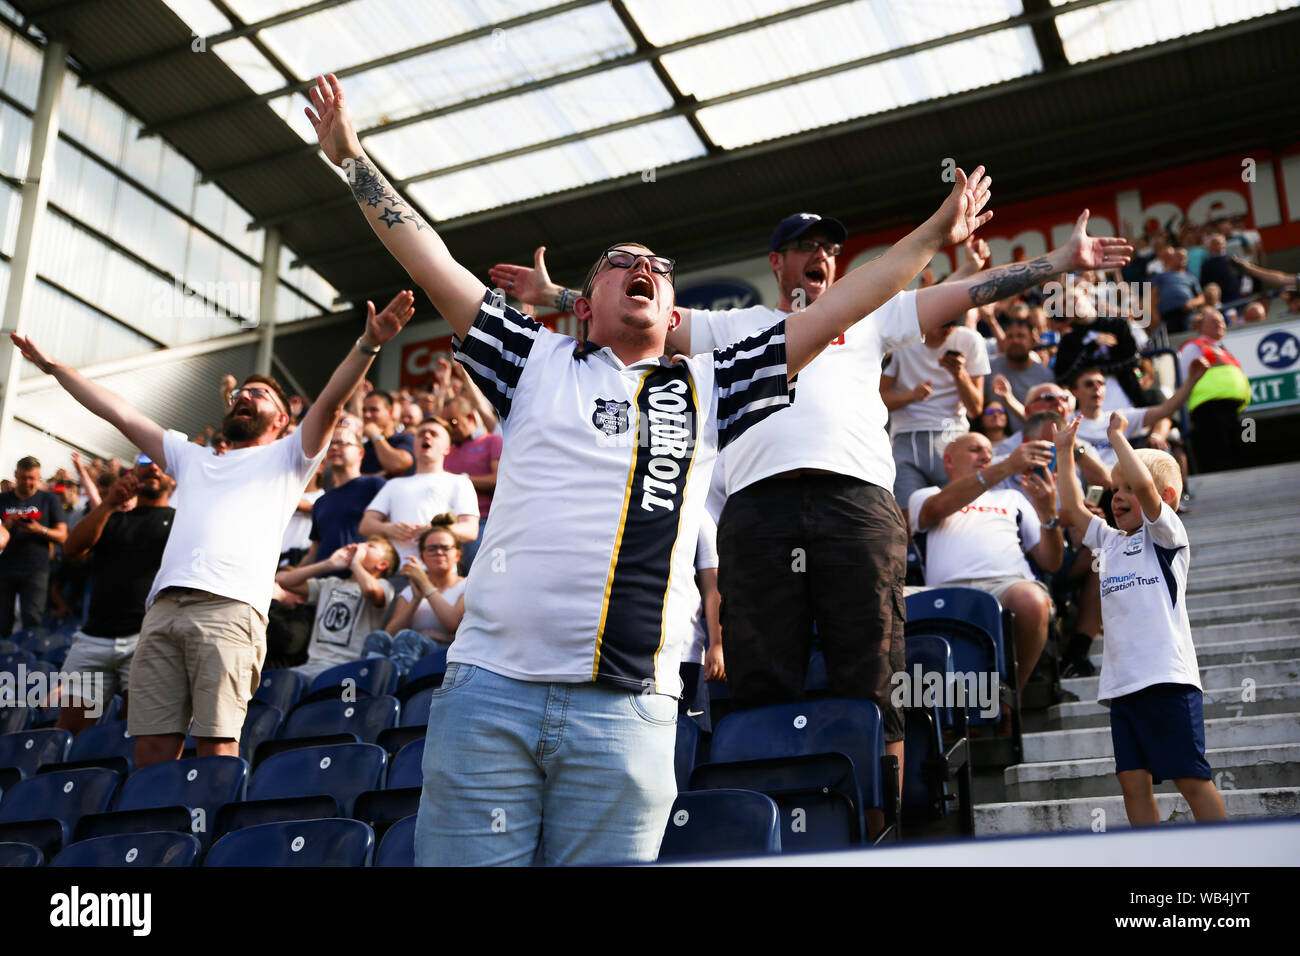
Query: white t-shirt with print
x: 1094, y: 432
x: 424, y: 619
x: 227, y: 538
x: 417, y: 498
x: 986, y: 539
x: 343, y: 619
x: 1144, y: 605
x: 837, y: 419
x: 943, y: 411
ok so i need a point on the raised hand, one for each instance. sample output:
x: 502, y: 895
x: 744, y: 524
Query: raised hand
x: 1088, y: 252
x: 32, y: 353
x: 532, y: 286
x: 383, y: 328
x: 977, y: 252
x: 1001, y: 387
x: 1065, y: 439
x: 334, y: 130
x: 1031, y: 454
x: 962, y: 212
x: 1118, y: 424
x: 1040, y: 486
x: 122, y: 490
x: 342, y: 558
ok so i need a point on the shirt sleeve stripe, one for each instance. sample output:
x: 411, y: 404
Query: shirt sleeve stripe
x: 751, y: 382
x: 495, y: 350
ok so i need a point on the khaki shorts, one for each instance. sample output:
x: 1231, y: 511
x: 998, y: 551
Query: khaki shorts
x: 200, y: 656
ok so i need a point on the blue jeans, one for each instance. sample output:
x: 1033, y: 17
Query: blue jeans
x: 570, y: 773
x: 403, y: 649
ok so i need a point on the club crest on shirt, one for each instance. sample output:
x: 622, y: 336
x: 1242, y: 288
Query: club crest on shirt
x: 611, y: 416
x: 1134, y: 546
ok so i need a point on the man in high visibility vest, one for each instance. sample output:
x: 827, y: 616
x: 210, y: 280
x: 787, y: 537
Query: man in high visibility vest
x: 1217, y: 399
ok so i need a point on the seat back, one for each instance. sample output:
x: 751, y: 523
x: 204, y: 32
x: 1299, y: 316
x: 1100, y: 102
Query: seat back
x: 373, y: 676
x: 406, y: 768
x: 817, y: 795
x: 262, y: 722
x: 281, y: 689
x: 20, y: 854
x: 430, y: 665
x: 65, y: 796
x: 103, y: 740
x: 398, y: 846
x: 838, y: 725
x: 132, y: 849
x: 721, y: 823
x: 338, y: 770
x: 971, y: 622
x: 329, y: 842
x: 415, y: 712
x: 366, y: 717
x: 202, y: 784
x: 32, y: 748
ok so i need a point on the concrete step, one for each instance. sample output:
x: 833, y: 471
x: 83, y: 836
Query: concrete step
x: 1209, y: 518
x: 1281, y: 476
x: 1237, y: 596
x: 1242, y: 651
x: 1087, y: 813
x: 1091, y: 742
x: 1268, y: 699
x: 1231, y: 613
x: 1241, y: 552
x: 1215, y: 677
x: 1244, y: 529
x: 1245, y: 630
x: 1235, y: 768
x: 1225, y: 577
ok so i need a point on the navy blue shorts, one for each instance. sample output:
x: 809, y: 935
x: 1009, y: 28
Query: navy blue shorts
x: 1160, y: 729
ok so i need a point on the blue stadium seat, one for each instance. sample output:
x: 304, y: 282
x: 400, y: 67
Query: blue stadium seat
x: 12, y: 659
x: 36, y: 646
x: 415, y: 712
x: 688, y: 745
x: 838, y: 725
x: 180, y: 795
x: 14, y: 720
x: 103, y: 745
x: 721, y: 823
x: 371, y: 676
x: 398, y: 845
x: 48, y: 715
x: 973, y: 623
x: 380, y: 809
x: 817, y: 795
x: 56, y: 655
x: 262, y: 722
x: 44, y: 810
x: 395, y: 738
x: 112, y: 711
x: 365, y: 717
x: 132, y: 849
x: 430, y: 666
x: 309, y: 781
x: 20, y: 854
x: 281, y: 689
x: 7, y: 646
x: 296, y: 843
x: 31, y: 749
x: 928, y: 766
x: 404, y: 770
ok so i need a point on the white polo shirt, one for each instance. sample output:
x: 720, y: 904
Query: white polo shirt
x: 586, y: 571
x: 838, y: 422
x: 1144, y: 605
x: 227, y: 538
x: 986, y: 539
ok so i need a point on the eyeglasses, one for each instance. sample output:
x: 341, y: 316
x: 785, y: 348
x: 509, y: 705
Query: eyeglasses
x: 254, y: 393
x: 812, y: 245
x: 622, y: 259
x: 1051, y: 397
x: 438, y: 549
x: 995, y: 411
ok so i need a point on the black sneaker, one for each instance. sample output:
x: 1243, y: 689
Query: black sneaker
x: 1077, y: 667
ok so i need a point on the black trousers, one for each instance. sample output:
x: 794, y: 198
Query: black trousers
x: 31, y: 588
x: 828, y: 549
x: 1216, y: 434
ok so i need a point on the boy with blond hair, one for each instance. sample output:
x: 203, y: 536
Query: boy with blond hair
x: 1149, y: 675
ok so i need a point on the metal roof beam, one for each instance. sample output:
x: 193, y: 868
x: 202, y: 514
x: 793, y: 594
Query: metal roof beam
x: 1046, y: 37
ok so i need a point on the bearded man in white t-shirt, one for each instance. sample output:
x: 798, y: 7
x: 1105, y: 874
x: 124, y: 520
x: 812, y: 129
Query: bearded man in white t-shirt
x: 203, y: 639
x: 973, y: 534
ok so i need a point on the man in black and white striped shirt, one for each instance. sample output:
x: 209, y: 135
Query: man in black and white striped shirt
x: 555, y: 723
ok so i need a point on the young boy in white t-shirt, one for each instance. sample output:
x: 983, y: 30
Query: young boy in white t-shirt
x: 1149, y: 675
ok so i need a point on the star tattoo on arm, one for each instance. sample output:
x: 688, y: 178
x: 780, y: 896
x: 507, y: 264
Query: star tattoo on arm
x: 370, y: 188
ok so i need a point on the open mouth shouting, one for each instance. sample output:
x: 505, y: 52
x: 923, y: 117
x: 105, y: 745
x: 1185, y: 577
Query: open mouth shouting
x: 815, y: 278
x: 640, y: 287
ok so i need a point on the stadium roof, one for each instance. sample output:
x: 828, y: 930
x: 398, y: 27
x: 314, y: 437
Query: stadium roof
x: 691, y: 126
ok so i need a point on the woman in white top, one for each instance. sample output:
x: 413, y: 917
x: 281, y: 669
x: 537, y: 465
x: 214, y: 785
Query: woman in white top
x: 426, y: 615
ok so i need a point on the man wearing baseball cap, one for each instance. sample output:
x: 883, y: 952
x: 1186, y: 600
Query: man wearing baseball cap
x: 811, y: 533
